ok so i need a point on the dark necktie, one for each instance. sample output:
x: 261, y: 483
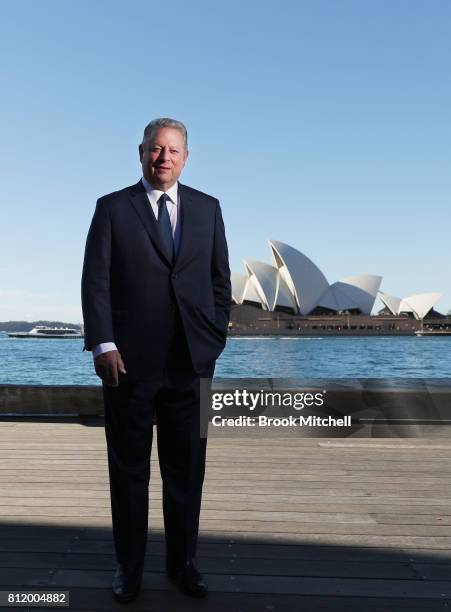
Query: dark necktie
x: 164, y: 225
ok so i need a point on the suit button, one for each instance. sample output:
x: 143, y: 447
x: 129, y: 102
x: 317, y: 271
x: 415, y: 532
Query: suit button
x: 174, y: 276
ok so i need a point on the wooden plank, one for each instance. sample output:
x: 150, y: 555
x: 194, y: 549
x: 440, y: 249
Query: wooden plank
x: 92, y: 447
x: 97, y: 444
x: 353, y: 490
x: 294, y: 522
x: 344, y: 488
x: 271, y: 584
x: 94, y: 438
x: 378, y: 482
x: 319, y: 479
x: 433, y: 571
x: 101, y: 542
x: 223, y: 565
x: 413, y: 519
x: 220, y: 502
x: 286, y: 533
x: 255, y: 555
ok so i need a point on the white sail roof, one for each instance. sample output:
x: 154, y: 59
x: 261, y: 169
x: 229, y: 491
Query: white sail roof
x: 304, y: 279
x: 420, y: 304
x: 352, y: 292
x: 250, y: 293
x: 269, y: 285
x: 264, y: 276
x: 284, y: 296
x: 369, y: 283
x: 391, y: 302
x: 238, y: 285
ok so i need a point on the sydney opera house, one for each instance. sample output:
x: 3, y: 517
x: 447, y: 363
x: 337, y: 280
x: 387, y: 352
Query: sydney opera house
x: 292, y: 293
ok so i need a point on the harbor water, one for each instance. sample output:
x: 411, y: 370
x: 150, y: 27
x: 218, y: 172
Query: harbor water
x: 63, y: 362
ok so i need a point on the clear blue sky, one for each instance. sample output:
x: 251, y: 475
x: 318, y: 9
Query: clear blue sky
x: 323, y: 124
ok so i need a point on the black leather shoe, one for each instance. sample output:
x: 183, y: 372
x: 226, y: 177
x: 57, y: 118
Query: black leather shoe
x: 187, y: 578
x: 123, y: 590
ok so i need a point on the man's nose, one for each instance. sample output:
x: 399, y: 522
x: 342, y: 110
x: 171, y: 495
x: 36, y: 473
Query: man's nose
x: 164, y: 153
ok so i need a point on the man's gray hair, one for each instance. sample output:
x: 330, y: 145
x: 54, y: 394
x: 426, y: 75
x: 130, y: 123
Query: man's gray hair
x: 165, y: 122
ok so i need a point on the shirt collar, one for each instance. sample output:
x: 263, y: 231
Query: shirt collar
x: 155, y: 194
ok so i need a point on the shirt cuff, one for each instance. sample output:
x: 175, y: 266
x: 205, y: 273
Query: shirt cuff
x: 104, y: 347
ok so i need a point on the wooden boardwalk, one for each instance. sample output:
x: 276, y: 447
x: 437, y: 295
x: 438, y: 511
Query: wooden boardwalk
x: 288, y: 524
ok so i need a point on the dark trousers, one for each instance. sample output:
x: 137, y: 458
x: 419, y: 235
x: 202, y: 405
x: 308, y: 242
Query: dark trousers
x: 173, y: 396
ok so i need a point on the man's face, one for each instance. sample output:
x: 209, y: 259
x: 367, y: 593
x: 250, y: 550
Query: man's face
x: 163, y: 157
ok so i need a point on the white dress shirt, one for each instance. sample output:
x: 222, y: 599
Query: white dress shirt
x: 172, y: 204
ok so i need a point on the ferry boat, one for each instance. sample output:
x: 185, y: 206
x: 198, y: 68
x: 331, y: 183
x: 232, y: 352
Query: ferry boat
x: 433, y: 332
x: 42, y: 331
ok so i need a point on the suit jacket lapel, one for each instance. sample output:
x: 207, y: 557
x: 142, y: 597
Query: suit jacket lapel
x: 187, y: 220
x: 142, y: 207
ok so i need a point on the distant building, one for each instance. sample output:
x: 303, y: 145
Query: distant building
x: 293, y: 283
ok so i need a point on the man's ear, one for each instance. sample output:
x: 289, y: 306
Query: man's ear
x: 186, y: 155
x: 140, y: 152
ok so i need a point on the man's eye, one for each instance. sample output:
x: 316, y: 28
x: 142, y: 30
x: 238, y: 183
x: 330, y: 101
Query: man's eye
x: 174, y: 150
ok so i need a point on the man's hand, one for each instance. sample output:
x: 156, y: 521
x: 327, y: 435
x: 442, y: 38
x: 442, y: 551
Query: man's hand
x: 108, y: 366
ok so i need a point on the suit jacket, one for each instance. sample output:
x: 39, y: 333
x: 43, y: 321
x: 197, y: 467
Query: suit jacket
x: 131, y: 291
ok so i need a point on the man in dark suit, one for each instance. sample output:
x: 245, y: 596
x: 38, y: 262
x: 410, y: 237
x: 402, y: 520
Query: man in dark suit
x: 156, y: 302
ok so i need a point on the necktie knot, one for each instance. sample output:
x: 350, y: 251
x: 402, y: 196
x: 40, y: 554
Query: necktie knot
x: 163, y: 199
